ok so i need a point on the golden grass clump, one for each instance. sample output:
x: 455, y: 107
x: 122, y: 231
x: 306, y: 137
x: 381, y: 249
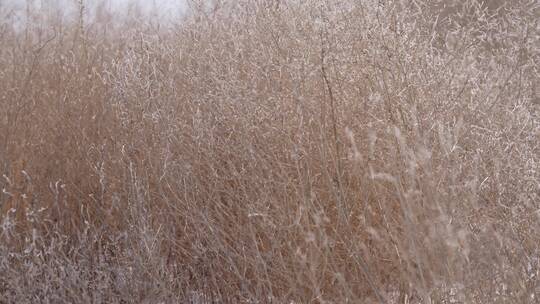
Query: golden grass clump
x: 271, y: 152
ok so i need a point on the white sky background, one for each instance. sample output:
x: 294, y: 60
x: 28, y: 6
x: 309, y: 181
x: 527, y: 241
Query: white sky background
x: 163, y: 9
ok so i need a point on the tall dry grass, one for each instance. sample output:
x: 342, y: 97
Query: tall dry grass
x: 272, y: 152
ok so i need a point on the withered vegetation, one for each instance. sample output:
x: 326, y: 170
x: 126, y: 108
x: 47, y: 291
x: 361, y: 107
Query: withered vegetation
x: 272, y: 152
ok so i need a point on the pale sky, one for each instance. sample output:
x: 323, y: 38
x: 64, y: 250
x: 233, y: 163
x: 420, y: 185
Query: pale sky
x: 163, y: 8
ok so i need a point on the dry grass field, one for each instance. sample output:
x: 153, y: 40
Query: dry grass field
x: 257, y: 151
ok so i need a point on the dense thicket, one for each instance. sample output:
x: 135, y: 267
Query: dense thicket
x: 272, y: 152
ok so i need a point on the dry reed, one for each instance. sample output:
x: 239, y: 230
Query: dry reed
x: 272, y: 152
